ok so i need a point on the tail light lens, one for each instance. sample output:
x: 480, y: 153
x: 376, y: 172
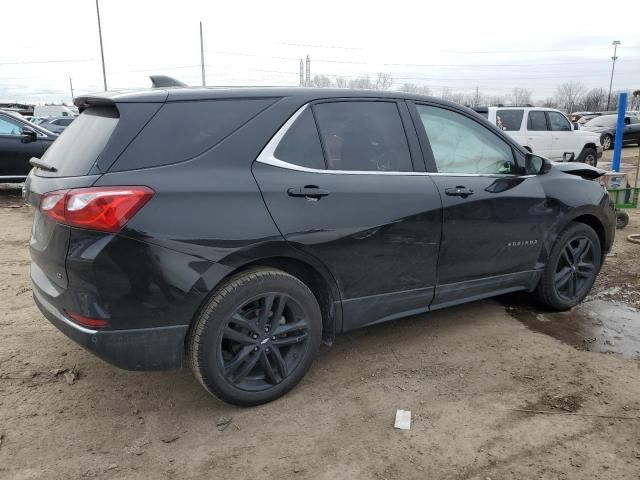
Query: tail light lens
x: 107, y: 209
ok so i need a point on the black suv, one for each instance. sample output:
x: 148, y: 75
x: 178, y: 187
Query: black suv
x: 241, y: 227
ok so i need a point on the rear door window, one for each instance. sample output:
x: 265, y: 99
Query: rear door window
x: 509, y: 119
x: 363, y: 136
x: 301, y: 144
x: 537, y: 121
x: 78, y: 147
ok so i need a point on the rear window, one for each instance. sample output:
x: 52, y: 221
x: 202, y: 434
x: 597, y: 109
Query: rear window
x: 183, y: 130
x: 509, y: 120
x: 78, y: 147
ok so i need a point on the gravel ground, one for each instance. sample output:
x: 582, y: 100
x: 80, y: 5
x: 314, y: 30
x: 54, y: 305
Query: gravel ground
x: 465, y: 373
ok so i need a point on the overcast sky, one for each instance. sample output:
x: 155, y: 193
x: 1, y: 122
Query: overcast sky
x: 493, y: 45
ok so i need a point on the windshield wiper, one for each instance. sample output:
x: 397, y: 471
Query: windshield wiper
x: 36, y: 162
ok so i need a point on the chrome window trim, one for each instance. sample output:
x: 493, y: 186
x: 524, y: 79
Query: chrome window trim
x: 267, y: 157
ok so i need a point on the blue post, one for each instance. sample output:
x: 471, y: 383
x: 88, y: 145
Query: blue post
x: 617, y: 148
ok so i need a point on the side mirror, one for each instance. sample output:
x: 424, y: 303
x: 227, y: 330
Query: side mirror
x: 28, y: 135
x: 627, y: 121
x: 536, y: 165
x: 576, y: 126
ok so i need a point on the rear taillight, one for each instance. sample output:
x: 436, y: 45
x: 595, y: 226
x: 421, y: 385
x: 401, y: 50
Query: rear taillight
x: 107, y: 209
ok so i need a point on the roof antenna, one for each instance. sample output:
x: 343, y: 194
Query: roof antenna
x: 162, y: 81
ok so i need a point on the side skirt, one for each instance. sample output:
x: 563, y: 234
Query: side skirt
x: 365, y: 311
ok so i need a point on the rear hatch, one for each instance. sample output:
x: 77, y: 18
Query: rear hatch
x: 86, y: 149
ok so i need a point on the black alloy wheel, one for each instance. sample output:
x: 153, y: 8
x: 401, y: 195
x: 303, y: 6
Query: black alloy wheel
x: 575, y: 269
x: 572, y: 268
x: 256, y: 336
x: 263, y: 341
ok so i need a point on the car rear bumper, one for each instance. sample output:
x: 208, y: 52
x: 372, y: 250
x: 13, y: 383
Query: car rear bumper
x: 159, y: 348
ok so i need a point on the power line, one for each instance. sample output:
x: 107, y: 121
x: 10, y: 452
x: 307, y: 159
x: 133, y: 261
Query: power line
x: 49, y: 61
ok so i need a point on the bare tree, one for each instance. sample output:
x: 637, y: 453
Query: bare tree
x: 594, y: 100
x: 521, y: 96
x: 494, y: 100
x: 416, y: 89
x: 446, y: 93
x: 383, y: 81
x: 341, y: 82
x: 321, y: 81
x: 362, y: 82
x: 550, y: 103
x: 569, y: 95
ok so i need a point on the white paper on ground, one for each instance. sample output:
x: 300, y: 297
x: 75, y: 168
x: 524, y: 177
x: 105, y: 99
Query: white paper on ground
x: 403, y: 419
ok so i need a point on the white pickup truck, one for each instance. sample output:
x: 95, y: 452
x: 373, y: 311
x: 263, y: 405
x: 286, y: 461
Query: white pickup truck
x: 546, y: 132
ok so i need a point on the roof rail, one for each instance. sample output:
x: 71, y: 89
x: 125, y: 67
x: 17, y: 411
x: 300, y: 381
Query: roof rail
x: 162, y: 81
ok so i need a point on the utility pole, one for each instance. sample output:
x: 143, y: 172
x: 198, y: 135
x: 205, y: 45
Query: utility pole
x: 613, y: 67
x: 476, y: 98
x: 301, y: 73
x: 104, y: 72
x: 308, y: 70
x: 204, y: 82
x: 71, y: 87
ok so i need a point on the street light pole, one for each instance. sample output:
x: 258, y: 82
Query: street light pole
x: 104, y: 72
x: 613, y: 67
x: 204, y: 82
x: 71, y: 87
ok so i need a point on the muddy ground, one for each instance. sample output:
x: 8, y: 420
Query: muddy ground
x: 466, y: 374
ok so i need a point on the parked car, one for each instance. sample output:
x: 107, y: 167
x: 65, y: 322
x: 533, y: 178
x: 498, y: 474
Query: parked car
x: 19, y: 141
x: 575, y: 117
x: 546, y: 132
x: 605, y: 126
x: 56, y: 124
x: 241, y: 227
x: 53, y: 111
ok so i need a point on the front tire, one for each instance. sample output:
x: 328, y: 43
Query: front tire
x: 589, y: 156
x: 607, y: 142
x: 256, y: 337
x: 572, y: 268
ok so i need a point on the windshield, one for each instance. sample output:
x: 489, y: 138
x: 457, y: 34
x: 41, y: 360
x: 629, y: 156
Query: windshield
x: 603, y: 121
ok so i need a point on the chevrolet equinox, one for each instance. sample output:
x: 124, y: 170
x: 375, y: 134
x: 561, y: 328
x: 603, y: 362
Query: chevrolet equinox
x: 237, y: 229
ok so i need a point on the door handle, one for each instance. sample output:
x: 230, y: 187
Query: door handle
x: 308, y: 191
x: 459, y: 191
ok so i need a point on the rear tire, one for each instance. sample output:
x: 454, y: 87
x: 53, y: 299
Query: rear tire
x: 256, y: 337
x: 572, y: 268
x: 589, y: 156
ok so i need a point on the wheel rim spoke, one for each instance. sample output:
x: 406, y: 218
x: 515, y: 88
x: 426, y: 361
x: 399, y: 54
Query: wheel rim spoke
x: 242, y: 321
x: 268, y: 369
x: 585, y: 269
x: 581, y: 249
x: 267, y: 305
x: 563, y: 277
x: 279, y: 361
x: 247, y: 367
x: 237, y: 336
x: 290, y: 340
x: 238, y: 360
x: 277, y: 315
x: 289, y: 327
